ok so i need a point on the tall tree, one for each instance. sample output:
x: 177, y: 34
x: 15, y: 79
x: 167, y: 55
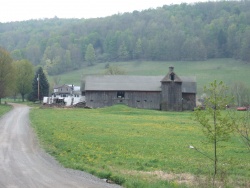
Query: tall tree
x: 241, y: 93
x: 40, y: 86
x: 123, y: 52
x: 138, y: 49
x: 216, y: 125
x: 6, y: 73
x: 90, y: 54
x: 24, y: 76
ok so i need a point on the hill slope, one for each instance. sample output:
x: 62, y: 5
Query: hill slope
x: 185, y: 32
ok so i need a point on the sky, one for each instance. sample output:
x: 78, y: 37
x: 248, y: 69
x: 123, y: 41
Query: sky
x: 21, y: 10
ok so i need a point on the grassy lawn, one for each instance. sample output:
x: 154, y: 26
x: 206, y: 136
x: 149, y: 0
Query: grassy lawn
x: 4, y: 109
x: 135, y: 147
x: 226, y: 70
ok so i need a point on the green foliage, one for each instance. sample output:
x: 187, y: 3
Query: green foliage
x: 90, y: 54
x: 123, y: 52
x: 6, y: 73
x: 132, y: 146
x: 221, y: 125
x: 242, y: 126
x: 24, y: 75
x: 138, y: 49
x: 40, y: 86
x: 216, y: 125
x: 114, y: 70
x: 193, y: 50
x: 170, y: 33
x: 241, y: 93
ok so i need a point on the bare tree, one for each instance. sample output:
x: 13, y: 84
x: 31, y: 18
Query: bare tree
x: 240, y: 93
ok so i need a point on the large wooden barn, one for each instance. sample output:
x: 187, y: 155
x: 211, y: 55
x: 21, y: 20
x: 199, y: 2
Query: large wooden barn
x: 169, y: 93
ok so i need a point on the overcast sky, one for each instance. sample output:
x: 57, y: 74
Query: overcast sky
x: 19, y: 10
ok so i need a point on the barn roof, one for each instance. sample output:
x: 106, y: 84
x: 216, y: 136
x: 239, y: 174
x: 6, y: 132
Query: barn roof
x: 134, y: 83
x: 188, y: 84
x: 123, y: 83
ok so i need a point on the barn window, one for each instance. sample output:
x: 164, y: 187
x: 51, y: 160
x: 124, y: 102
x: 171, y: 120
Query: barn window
x: 172, y: 76
x: 120, y: 94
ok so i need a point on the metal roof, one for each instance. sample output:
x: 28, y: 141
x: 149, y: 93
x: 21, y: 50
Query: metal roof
x: 123, y: 83
x: 134, y: 83
x: 188, y: 84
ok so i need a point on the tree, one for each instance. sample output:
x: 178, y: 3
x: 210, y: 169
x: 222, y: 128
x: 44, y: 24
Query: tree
x: 216, y: 125
x: 243, y: 126
x: 138, y: 49
x: 114, y: 70
x: 6, y: 73
x: 193, y: 50
x: 90, y: 54
x: 24, y: 75
x: 241, y: 93
x: 56, y: 80
x: 123, y: 52
x: 40, y: 86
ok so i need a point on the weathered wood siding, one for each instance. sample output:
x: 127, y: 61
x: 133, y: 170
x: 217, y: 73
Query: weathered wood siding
x: 189, y: 101
x: 146, y: 99
x: 136, y: 99
x: 171, y: 98
x: 96, y: 99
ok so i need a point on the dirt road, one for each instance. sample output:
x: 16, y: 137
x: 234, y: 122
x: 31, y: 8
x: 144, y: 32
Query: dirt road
x: 24, y: 165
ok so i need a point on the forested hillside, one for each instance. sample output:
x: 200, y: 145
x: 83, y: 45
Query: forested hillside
x: 188, y: 32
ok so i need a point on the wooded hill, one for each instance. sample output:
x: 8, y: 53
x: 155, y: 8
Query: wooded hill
x: 188, y: 32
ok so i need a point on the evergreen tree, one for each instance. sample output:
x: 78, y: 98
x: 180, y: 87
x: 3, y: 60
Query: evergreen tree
x: 40, y: 80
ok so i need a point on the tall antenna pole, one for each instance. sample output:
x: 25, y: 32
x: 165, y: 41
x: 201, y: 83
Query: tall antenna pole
x: 38, y: 80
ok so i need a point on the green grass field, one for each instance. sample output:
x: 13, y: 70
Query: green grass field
x: 226, y: 70
x: 4, y: 109
x: 136, y: 147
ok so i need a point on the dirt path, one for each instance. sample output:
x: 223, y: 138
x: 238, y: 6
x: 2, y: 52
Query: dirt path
x: 24, y: 165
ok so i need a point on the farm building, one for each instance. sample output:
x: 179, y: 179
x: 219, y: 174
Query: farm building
x: 66, y: 90
x: 169, y: 93
x: 65, y: 94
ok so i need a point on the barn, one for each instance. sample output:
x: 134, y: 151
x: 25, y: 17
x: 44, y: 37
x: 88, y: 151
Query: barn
x: 168, y: 93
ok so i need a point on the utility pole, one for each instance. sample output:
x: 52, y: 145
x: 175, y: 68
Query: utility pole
x: 38, y: 85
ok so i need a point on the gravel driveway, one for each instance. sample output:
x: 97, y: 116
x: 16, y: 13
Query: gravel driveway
x: 24, y: 165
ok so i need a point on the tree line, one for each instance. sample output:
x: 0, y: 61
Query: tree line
x: 185, y: 32
x: 19, y: 78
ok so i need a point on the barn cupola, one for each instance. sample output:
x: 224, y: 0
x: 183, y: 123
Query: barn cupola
x: 171, y: 76
x: 171, y: 92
